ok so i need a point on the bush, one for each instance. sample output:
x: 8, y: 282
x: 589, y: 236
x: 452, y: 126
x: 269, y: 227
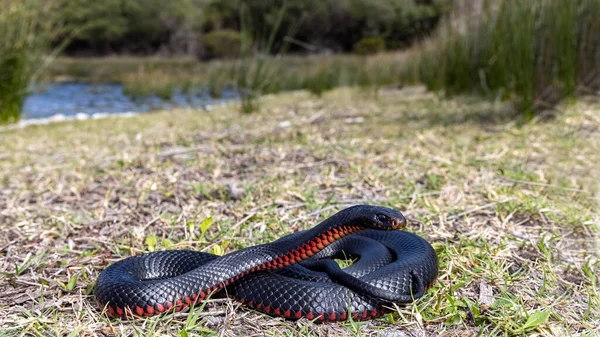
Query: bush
x: 176, y: 26
x: 130, y: 26
x: 26, y: 31
x: 224, y: 43
x: 532, y: 53
x: 13, y: 85
x: 369, y: 45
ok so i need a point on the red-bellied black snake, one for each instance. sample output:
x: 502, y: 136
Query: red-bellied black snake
x: 292, y: 277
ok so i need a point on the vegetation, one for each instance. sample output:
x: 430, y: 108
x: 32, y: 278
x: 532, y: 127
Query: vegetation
x: 25, y: 36
x: 369, y: 45
x: 255, y: 71
x: 534, y: 55
x: 150, y: 76
x: 188, y: 26
x: 223, y: 43
x: 534, y: 52
x: 130, y: 26
x: 511, y: 211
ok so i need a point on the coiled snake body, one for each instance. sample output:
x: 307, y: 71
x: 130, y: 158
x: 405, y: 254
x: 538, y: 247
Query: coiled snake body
x: 292, y: 277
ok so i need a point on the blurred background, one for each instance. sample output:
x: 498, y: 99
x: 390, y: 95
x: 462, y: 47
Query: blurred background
x: 61, y: 57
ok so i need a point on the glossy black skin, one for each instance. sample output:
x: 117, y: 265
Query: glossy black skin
x: 399, y: 264
x: 409, y: 266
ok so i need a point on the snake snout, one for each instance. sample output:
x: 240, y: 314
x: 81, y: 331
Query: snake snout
x: 388, y: 219
x: 399, y: 223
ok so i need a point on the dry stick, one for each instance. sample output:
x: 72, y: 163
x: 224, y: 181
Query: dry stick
x: 264, y: 206
x: 479, y: 208
x: 546, y: 185
x: 351, y: 202
x: 239, y: 223
x: 325, y: 209
x: 174, y: 152
x: 317, y: 212
x: 278, y: 204
x: 100, y: 222
x: 2, y: 248
x: 208, y: 149
x: 317, y: 163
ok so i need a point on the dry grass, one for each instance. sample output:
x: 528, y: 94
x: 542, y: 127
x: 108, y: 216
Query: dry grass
x: 511, y: 210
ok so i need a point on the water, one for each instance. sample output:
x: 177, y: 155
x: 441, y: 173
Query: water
x: 74, y: 99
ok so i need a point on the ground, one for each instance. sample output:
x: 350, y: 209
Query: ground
x: 510, y: 208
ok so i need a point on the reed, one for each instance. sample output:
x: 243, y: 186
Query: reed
x: 533, y: 53
x: 156, y: 76
x: 26, y: 29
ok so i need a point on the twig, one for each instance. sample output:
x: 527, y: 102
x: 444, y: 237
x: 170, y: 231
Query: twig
x: 100, y: 222
x: 264, y: 205
x: 174, y: 152
x: 239, y: 223
x: 204, y: 148
x: 317, y: 212
x: 546, y: 185
x: 479, y: 208
x: 317, y: 163
x: 351, y: 202
x: 151, y: 222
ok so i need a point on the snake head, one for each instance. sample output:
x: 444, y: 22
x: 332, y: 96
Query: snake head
x: 378, y: 217
x: 389, y: 219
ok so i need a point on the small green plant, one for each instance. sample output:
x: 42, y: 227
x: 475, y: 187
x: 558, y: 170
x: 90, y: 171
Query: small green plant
x: 534, y: 320
x: 71, y: 283
x: 204, y: 226
x: 151, y: 241
x: 20, y: 268
x: 220, y: 248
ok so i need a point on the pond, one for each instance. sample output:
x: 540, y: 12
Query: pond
x: 75, y: 99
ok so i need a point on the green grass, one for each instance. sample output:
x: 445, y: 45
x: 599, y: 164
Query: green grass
x: 534, y: 53
x: 512, y: 211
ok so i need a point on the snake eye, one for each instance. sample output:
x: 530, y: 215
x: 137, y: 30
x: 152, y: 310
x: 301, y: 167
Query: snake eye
x: 382, y: 218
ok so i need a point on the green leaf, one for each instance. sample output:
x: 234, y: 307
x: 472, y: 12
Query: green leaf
x: 166, y: 243
x: 64, y: 286
x: 72, y: 282
x: 20, y: 269
x: 220, y: 249
x: 183, y: 333
x: 89, y: 289
x: 536, y: 319
x: 151, y: 242
x: 204, y: 226
x: 217, y: 250
x: 190, y: 227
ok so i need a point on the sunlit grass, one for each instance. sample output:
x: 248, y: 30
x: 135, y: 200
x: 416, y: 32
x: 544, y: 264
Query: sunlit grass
x: 510, y: 210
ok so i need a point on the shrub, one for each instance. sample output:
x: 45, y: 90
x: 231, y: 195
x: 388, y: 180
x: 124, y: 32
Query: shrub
x: 369, y: 45
x: 13, y: 85
x: 26, y: 31
x: 532, y: 52
x: 225, y: 43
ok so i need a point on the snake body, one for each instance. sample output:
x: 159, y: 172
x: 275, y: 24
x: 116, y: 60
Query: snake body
x: 291, y: 277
